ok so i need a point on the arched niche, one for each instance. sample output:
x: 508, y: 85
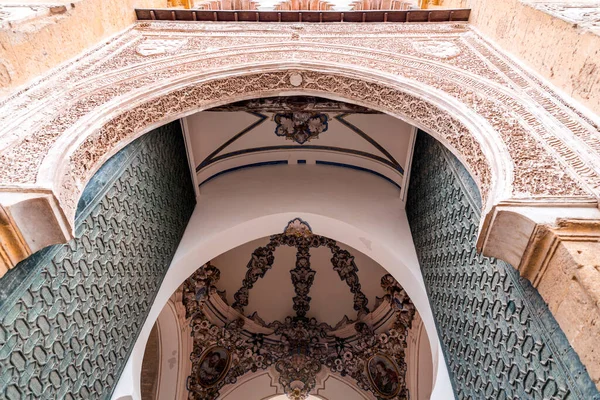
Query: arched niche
x: 233, y: 212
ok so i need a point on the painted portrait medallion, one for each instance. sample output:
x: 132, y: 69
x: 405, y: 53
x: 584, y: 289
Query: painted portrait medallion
x: 214, y: 365
x: 384, y: 376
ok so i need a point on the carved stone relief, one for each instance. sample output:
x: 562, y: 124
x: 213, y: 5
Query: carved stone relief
x: 543, y: 145
x: 154, y: 47
x: 439, y: 49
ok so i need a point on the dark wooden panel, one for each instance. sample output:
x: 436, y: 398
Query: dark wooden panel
x: 184, y: 15
x: 305, y: 16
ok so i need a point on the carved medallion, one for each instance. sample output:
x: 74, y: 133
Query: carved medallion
x: 439, y: 49
x: 384, y: 376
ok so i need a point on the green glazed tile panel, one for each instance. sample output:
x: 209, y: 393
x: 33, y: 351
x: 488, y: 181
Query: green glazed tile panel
x: 499, y: 339
x: 70, y: 314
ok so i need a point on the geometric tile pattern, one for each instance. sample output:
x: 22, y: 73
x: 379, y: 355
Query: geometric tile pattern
x: 68, y: 326
x: 499, y: 339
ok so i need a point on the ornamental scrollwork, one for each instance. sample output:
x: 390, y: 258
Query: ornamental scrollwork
x: 298, y: 348
x: 298, y: 234
x: 300, y: 127
x: 471, y: 72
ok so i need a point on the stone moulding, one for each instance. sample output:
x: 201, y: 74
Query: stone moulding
x: 136, y: 119
x: 516, y: 136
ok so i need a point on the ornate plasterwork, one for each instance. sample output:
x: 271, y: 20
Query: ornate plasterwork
x: 437, y: 48
x: 154, y: 47
x: 296, y: 349
x: 298, y: 234
x: 300, y: 127
x: 294, y: 104
x: 515, y: 134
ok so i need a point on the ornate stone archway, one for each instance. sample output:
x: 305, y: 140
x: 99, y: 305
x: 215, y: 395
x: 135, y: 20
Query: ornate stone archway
x: 518, y: 138
x: 534, y: 154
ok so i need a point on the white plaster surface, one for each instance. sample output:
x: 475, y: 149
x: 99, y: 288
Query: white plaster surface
x: 350, y: 206
x: 174, y: 352
x: 209, y: 130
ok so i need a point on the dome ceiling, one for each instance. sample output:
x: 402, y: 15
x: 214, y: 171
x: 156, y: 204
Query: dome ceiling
x: 297, y: 304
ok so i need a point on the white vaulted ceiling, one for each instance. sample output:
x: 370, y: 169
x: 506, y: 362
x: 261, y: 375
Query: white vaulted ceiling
x: 256, y: 133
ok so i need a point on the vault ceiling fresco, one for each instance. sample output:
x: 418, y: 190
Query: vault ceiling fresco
x: 368, y: 348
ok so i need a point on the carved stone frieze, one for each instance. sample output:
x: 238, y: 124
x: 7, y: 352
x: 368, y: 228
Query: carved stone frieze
x: 517, y: 136
x: 294, y: 104
x: 154, y: 47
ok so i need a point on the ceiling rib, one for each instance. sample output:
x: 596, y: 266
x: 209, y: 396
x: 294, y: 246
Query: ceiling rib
x: 302, y: 275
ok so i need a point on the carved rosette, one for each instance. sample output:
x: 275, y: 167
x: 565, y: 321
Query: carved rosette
x: 300, y: 127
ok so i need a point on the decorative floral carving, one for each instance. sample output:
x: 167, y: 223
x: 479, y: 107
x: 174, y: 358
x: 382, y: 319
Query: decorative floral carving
x: 298, y: 234
x: 551, y: 147
x: 298, y: 348
x: 301, y: 127
x: 154, y: 47
x: 302, y: 279
x: 437, y: 48
x: 295, y: 104
x: 297, y: 227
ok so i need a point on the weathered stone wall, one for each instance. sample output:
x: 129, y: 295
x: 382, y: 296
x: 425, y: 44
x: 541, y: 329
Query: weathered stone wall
x: 70, y: 314
x: 499, y: 338
x: 566, y: 54
x: 571, y: 285
x: 34, y: 39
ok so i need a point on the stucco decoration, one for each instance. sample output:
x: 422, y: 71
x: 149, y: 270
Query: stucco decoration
x: 154, y: 47
x: 514, y: 133
x: 439, y: 49
x: 301, y: 127
x: 295, y: 104
x: 299, y: 235
x: 296, y: 349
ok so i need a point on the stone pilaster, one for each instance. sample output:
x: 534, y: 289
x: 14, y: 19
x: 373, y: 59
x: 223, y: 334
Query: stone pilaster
x: 29, y: 221
x: 563, y: 263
